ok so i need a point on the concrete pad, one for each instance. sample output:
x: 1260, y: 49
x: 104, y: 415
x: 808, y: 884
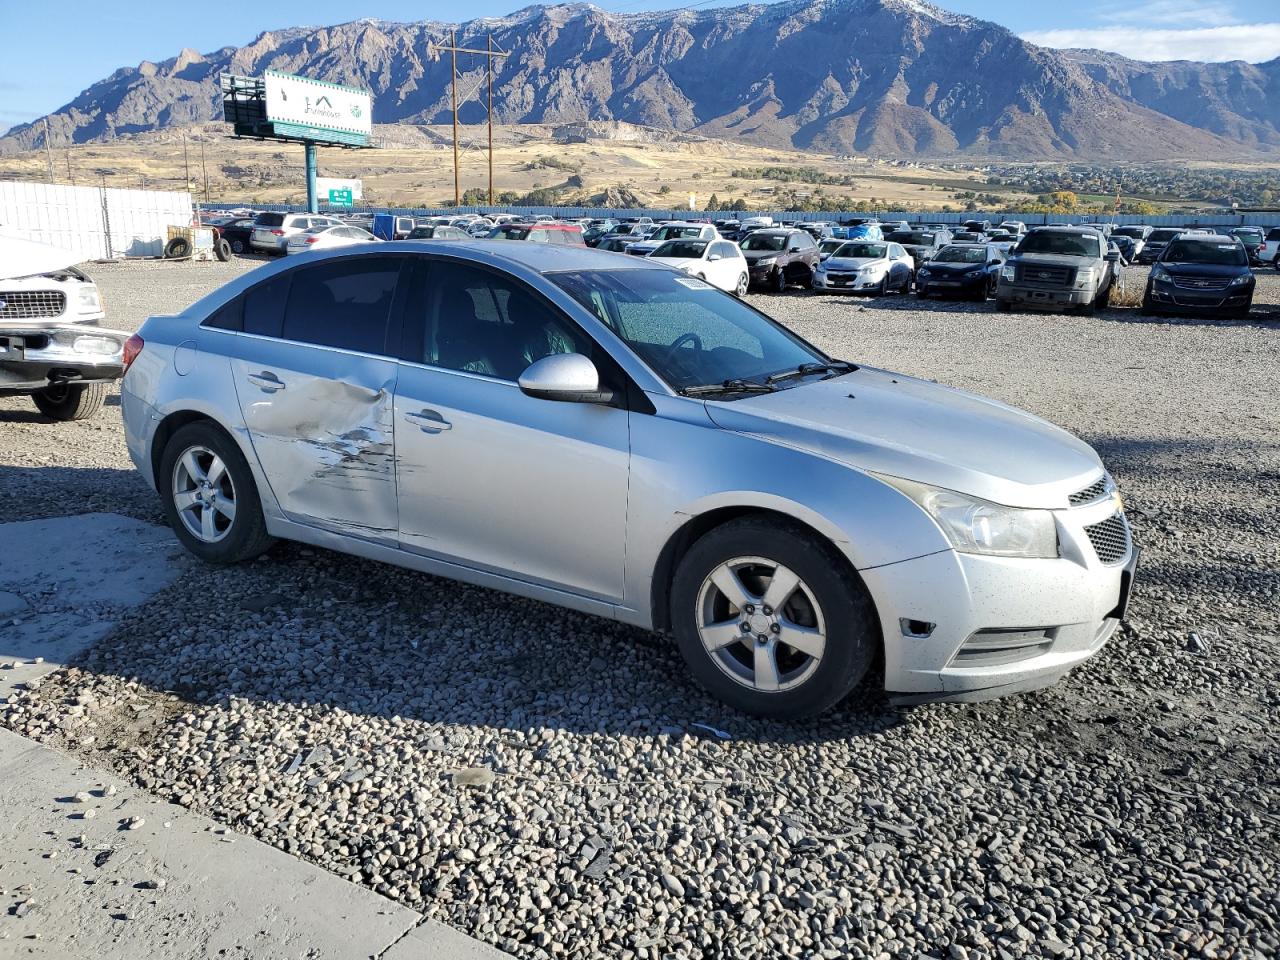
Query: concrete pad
x: 217, y: 894
x: 66, y: 581
x: 435, y: 941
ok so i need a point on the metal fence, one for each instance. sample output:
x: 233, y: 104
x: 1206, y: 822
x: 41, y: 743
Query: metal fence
x: 790, y: 216
x: 96, y: 222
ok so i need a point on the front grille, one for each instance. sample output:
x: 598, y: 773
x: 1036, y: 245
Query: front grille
x: 1201, y: 283
x: 1095, y: 491
x: 31, y: 304
x: 1110, y: 539
x: 989, y: 648
x: 1046, y: 276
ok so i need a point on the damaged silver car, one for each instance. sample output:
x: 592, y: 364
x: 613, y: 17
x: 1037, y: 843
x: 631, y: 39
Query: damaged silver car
x: 51, y: 348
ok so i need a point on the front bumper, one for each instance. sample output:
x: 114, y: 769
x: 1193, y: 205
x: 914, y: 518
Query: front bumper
x: 1173, y: 299
x: 1029, y: 296
x: 34, y: 357
x: 847, y: 283
x: 968, y: 627
x: 967, y: 283
x: 760, y: 274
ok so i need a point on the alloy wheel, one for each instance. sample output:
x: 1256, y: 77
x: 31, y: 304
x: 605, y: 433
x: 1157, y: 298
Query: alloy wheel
x: 204, y: 494
x: 743, y: 282
x: 761, y: 624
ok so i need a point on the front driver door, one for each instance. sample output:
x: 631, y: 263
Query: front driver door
x: 492, y: 478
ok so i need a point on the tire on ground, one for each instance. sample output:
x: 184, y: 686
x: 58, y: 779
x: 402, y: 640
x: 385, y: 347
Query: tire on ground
x: 177, y: 248
x: 71, y: 401
x: 853, y: 630
x: 222, y: 249
x: 248, y: 535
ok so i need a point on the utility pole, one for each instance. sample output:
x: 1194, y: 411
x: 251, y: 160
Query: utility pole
x: 48, y: 149
x: 453, y: 60
x: 204, y: 172
x: 433, y: 51
x: 186, y: 165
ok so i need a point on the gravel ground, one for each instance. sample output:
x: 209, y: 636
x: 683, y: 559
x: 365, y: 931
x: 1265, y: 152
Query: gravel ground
x: 538, y: 778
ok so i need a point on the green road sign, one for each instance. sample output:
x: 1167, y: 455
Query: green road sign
x: 340, y: 198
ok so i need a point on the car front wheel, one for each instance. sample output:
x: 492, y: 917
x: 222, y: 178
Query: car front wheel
x: 209, y: 496
x: 779, y: 280
x: 740, y: 290
x: 771, y: 620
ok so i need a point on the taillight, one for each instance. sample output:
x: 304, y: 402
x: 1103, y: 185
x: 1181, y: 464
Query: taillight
x: 312, y: 239
x: 132, y: 347
x: 277, y: 233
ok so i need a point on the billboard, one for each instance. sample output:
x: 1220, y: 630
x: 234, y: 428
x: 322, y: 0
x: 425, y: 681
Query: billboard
x: 301, y: 107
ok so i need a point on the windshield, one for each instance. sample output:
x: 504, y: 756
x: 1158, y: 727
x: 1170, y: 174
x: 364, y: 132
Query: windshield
x: 1133, y: 232
x: 961, y: 255
x: 830, y: 246
x: 681, y: 249
x: 672, y: 233
x: 421, y: 233
x: 764, y: 241
x: 862, y: 251
x: 1163, y: 236
x: 916, y: 237
x: 1065, y: 244
x: 509, y: 231
x: 1204, y: 251
x: 1248, y: 236
x: 686, y: 330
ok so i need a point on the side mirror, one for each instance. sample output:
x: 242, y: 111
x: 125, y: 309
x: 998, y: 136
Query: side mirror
x: 714, y: 256
x: 568, y: 377
x: 793, y: 250
x: 1113, y: 256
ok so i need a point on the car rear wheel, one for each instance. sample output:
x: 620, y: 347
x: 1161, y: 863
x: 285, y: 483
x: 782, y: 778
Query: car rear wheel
x: 740, y: 290
x: 237, y: 246
x: 70, y: 401
x: 209, y: 496
x: 771, y: 620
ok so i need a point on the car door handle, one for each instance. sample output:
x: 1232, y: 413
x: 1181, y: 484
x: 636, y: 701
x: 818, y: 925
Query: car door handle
x: 266, y: 380
x: 430, y: 421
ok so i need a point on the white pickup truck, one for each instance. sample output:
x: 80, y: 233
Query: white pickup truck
x: 51, y: 348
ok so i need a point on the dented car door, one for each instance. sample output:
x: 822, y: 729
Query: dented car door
x: 317, y: 396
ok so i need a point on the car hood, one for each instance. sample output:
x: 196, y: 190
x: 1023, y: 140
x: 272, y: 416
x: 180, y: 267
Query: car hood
x: 884, y: 422
x: 26, y: 258
x: 754, y: 255
x: 934, y: 266
x: 680, y: 263
x: 853, y: 263
x: 1190, y: 270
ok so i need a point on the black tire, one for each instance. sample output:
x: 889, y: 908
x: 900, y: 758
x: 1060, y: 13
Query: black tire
x: 222, y: 249
x: 177, y: 248
x: 1103, y: 300
x: 237, y: 247
x: 1148, y: 308
x: 883, y: 289
x: 70, y: 401
x: 246, y: 537
x: 853, y: 635
x: 1004, y: 306
x: 992, y: 286
x: 779, y: 280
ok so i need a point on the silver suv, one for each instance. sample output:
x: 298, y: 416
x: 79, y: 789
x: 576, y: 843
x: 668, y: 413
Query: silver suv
x: 271, y: 231
x: 617, y: 437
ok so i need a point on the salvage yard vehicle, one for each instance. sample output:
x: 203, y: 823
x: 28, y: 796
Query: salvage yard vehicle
x: 1270, y: 252
x: 1155, y: 243
x: 829, y: 246
x: 861, y: 266
x: 399, y: 403
x: 718, y: 262
x: 1201, y: 275
x: 673, y: 230
x: 440, y: 232
x: 559, y: 234
x: 1253, y: 238
x: 1059, y: 267
x: 962, y: 269
x: 328, y: 236
x: 779, y: 256
x: 922, y: 245
x: 271, y: 231
x: 51, y: 348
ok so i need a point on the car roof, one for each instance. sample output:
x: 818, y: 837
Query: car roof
x: 541, y: 257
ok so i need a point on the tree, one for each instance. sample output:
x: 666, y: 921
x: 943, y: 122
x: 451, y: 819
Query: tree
x: 475, y: 197
x: 713, y: 203
x: 664, y: 189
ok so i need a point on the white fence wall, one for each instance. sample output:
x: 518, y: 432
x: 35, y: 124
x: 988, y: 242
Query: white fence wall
x: 96, y: 222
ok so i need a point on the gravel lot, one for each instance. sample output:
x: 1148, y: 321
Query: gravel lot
x: 537, y: 777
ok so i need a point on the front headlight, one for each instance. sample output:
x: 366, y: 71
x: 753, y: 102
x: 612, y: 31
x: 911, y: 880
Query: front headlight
x: 1007, y: 272
x: 1085, y: 277
x: 1159, y: 273
x: 766, y: 261
x: 979, y: 526
x: 89, y: 299
x: 922, y: 272
x: 1243, y: 278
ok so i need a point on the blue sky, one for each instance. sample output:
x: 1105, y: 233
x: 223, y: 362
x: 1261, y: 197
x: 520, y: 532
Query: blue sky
x: 46, y: 65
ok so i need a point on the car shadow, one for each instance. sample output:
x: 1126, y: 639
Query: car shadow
x: 381, y: 640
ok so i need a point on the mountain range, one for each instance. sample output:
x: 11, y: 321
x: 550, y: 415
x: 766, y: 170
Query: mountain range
x: 896, y: 78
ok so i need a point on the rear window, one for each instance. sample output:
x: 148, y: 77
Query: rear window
x: 343, y: 303
x: 1164, y: 236
x: 916, y: 237
x: 509, y: 231
x: 269, y: 219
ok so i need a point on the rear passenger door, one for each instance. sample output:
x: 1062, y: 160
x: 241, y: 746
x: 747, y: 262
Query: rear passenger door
x: 316, y: 379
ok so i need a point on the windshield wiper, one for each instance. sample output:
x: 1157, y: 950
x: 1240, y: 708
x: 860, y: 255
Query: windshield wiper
x: 831, y: 366
x: 733, y: 385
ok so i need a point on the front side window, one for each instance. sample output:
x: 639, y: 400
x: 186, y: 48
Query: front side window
x: 481, y: 322
x: 343, y: 303
x: 687, y: 331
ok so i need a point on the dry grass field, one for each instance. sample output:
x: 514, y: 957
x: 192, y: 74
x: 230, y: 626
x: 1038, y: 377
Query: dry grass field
x: 413, y: 167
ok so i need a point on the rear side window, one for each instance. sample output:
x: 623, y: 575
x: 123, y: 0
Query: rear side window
x: 269, y: 219
x: 343, y: 303
x: 264, y: 306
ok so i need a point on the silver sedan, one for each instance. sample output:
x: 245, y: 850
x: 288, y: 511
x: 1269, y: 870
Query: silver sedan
x: 608, y: 434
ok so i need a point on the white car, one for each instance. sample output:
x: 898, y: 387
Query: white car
x: 327, y: 237
x: 272, y: 231
x: 866, y: 266
x: 718, y: 262
x: 673, y: 230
